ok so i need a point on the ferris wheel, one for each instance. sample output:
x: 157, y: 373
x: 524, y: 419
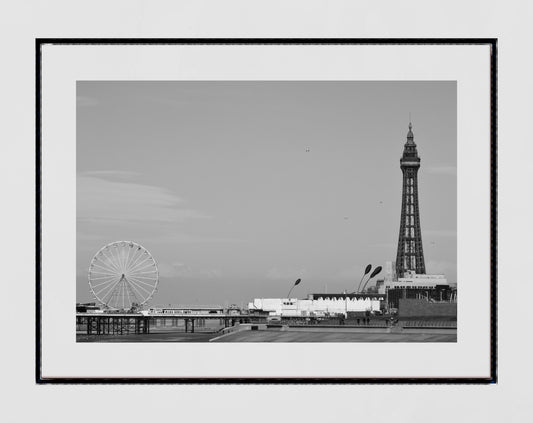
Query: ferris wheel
x: 123, y: 275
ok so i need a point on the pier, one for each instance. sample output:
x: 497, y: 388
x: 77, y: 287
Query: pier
x: 137, y: 323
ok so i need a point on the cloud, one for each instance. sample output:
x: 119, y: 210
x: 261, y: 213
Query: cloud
x: 442, y: 170
x: 103, y: 200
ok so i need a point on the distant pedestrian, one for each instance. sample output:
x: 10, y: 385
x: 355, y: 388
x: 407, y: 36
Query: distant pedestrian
x: 358, y: 321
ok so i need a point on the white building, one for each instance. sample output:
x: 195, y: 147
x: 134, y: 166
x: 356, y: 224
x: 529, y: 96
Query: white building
x: 413, y: 280
x: 317, y: 305
x: 390, y: 271
x: 185, y: 309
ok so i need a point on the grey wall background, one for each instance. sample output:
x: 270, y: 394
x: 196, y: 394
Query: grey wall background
x: 215, y: 180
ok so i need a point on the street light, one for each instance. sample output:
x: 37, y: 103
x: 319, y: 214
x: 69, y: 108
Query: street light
x: 295, y: 283
x: 374, y: 273
x: 367, y: 269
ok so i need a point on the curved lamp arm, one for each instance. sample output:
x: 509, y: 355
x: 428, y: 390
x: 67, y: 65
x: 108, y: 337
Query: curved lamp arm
x: 295, y: 283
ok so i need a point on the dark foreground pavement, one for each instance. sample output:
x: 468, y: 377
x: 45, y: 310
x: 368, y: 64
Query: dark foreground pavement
x: 150, y: 337
x: 300, y: 336
x: 276, y: 336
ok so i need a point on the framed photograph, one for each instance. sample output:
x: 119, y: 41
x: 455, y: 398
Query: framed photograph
x: 266, y: 210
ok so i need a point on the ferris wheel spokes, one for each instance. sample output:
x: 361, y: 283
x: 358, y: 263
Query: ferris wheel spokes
x: 141, y: 283
x: 132, y: 291
x: 136, y: 283
x: 109, y: 289
x: 139, y: 264
x: 109, y: 261
x: 117, y: 251
x: 104, y: 283
x: 135, y: 259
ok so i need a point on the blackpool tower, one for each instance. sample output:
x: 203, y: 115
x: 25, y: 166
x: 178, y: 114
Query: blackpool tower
x: 410, y: 256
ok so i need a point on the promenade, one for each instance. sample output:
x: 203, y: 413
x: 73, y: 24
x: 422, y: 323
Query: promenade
x: 296, y: 334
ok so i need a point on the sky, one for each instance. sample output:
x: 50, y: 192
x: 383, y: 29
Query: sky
x: 238, y: 188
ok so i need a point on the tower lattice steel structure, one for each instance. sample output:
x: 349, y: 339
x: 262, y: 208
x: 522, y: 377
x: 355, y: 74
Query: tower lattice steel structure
x: 410, y: 255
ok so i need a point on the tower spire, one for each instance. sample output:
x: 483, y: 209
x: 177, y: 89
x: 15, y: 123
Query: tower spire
x: 410, y: 136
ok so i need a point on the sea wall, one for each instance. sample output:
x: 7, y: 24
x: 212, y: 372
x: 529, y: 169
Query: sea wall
x: 422, y: 309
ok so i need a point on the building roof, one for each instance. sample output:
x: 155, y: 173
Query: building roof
x: 342, y: 295
x: 189, y: 306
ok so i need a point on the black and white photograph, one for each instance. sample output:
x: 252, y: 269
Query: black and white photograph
x: 266, y: 211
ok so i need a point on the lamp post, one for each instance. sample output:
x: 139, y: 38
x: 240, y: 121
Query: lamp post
x: 374, y: 273
x: 367, y: 269
x: 295, y: 283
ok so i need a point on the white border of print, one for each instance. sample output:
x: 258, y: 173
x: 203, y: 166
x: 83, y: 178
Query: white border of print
x: 63, y: 65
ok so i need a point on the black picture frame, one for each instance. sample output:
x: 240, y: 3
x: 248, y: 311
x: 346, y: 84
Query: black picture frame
x: 492, y: 42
